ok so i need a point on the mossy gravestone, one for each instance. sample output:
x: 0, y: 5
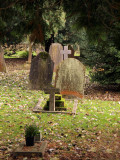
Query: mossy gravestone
x: 70, y: 78
x: 41, y: 71
x: 59, y: 104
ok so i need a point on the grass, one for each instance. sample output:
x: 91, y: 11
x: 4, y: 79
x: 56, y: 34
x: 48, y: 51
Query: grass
x: 94, y: 118
x: 19, y: 54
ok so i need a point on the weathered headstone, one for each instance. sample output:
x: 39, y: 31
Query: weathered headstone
x: 52, y: 92
x: 41, y: 71
x: 65, y: 52
x: 55, y: 55
x: 72, y: 52
x: 77, y: 52
x: 70, y: 77
x: 2, y: 61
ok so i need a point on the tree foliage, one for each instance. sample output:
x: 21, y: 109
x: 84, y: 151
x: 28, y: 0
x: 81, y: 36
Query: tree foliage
x: 97, y: 17
x: 40, y: 18
x: 104, y: 59
x: 36, y: 17
x: 100, y: 21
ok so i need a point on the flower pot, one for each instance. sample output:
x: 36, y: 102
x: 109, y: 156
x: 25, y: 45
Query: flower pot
x: 29, y: 141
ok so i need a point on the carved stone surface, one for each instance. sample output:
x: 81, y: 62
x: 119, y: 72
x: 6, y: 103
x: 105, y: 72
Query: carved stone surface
x: 70, y: 77
x: 72, y: 52
x: 41, y: 71
x: 55, y: 55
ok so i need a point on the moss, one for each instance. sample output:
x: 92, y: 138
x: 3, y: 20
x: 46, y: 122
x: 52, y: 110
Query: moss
x: 59, y: 103
x: 46, y: 108
x: 58, y: 97
x: 62, y: 108
x: 44, y: 55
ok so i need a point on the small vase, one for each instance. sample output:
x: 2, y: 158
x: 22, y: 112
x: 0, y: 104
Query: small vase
x: 29, y: 141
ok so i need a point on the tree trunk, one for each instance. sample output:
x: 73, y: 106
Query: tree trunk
x: 30, y: 52
x: 2, y: 60
x: 49, y: 42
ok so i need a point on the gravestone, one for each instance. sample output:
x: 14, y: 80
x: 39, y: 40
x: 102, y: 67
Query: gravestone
x: 41, y: 71
x: 52, y: 92
x: 70, y: 77
x: 55, y: 55
x: 59, y: 104
x: 77, y: 52
x: 65, y: 52
x: 72, y: 52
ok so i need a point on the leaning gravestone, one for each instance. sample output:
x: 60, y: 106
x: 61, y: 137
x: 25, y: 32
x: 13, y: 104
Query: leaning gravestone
x: 55, y: 55
x: 41, y: 71
x: 70, y: 77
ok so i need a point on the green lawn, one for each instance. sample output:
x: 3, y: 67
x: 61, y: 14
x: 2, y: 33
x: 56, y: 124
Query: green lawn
x: 94, y: 119
x: 19, y: 54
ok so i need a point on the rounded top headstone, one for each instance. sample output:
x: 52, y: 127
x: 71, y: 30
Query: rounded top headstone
x: 41, y: 71
x: 70, y: 77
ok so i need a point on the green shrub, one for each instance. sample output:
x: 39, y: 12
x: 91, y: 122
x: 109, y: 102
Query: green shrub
x: 31, y: 130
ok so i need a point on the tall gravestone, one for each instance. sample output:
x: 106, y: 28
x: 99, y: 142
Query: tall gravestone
x: 55, y: 55
x: 41, y: 71
x: 70, y: 77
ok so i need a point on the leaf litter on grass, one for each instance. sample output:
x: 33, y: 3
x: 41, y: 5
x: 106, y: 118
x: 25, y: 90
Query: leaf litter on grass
x: 96, y: 122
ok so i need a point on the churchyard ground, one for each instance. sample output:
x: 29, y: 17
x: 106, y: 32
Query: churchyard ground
x: 93, y: 133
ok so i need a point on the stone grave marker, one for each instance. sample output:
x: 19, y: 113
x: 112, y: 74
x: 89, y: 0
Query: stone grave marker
x: 59, y: 104
x: 52, y: 92
x: 75, y: 106
x: 70, y: 78
x: 41, y: 71
x: 72, y: 52
x: 77, y: 52
x: 38, y: 150
x: 65, y: 52
x: 55, y: 55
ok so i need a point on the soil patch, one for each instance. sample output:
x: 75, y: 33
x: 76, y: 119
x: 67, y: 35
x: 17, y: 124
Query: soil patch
x: 104, y: 93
